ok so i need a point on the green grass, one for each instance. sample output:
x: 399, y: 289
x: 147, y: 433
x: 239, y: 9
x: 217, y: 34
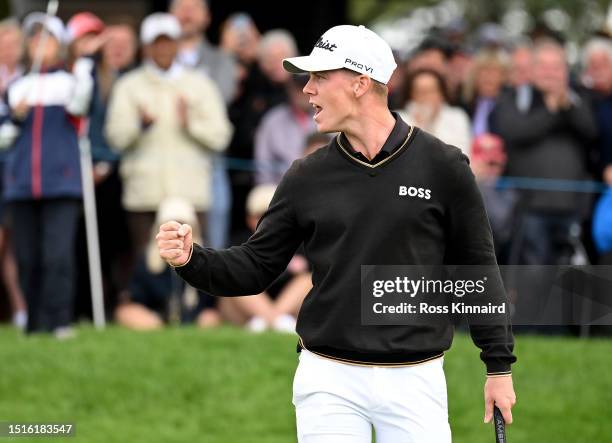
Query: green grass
x: 225, y: 386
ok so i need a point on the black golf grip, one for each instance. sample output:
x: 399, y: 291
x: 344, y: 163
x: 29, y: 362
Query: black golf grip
x: 500, y: 426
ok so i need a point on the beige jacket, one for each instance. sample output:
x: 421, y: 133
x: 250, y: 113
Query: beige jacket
x: 166, y: 160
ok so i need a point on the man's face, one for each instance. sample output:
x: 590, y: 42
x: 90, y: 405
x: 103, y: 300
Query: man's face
x: 550, y: 70
x: 10, y: 47
x: 522, y: 63
x: 430, y: 59
x: 426, y: 91
x: 50, y: 48
x: 193, y: 16
x: 271, y: 62
x: 489, y: 80
x: 599, y: 69
x: 120, y: 48
x: 163, y: 51
x: 331, y: 94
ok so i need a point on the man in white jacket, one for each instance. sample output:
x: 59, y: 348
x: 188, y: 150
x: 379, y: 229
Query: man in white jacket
x: 166, y: 120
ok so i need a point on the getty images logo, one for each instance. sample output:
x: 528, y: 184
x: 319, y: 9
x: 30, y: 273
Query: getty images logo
x: 411, y: 191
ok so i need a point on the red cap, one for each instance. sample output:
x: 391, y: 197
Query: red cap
x: 84, y: 23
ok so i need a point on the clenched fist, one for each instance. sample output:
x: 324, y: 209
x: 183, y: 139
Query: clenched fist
x: 175, y: 241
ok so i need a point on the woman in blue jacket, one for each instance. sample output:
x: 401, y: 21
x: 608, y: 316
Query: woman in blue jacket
x: 42, y: 175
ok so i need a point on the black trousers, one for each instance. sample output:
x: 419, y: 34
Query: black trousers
x: 44, y: 233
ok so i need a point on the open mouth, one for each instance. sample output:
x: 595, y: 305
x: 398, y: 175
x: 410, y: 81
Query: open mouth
x: 317, y: 109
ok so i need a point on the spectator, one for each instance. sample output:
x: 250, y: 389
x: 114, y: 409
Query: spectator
x: 264, y: 88
x: 281, y: 135
x: 11, y: 53
x: 597, y: 62
x: 84, y: 35
x: 42, y: 175
x: 521, y: 75
x: 602, y: 236
x: 113, y: 49
x: 488, y: 161
x: 116, y: 57
x: 119, y: 50
x: 597, y: 76
x: 426, y: 106
x: 274, y: 47
x: 547, y: 141
x: 196, y: 52
x: 11, y: 48
x: 521, y: 64
x: 156, y: 295
x: 459, y: 68
x: 166, y: 120
x: 240, y: 38
x: 434, y: 54
x: 602, y: 228
x: 487, y: 77
x: 431, y: 54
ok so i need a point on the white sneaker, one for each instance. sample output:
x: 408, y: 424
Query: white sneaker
x: 284, y: 323
x: 257, y: 324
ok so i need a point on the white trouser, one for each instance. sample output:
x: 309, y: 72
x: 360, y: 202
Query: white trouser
x: 340, y: 403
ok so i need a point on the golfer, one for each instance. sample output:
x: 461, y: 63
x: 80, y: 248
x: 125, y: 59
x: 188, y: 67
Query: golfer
x: 380, y: 193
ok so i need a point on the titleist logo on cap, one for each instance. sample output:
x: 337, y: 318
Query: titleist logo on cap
x: 324, y: 44
x: 346, y: 46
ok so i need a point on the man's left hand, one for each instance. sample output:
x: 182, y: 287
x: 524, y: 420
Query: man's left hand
x: 499, y: 391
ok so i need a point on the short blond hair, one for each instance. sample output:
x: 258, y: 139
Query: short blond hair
x: 380, y: 88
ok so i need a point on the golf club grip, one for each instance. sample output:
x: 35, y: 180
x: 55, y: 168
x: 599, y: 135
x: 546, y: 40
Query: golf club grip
x: 500, y: 426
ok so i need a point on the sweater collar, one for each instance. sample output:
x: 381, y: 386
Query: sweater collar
x: 396, y: 139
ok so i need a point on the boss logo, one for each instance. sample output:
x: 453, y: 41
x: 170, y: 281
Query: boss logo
x: 411, y: 191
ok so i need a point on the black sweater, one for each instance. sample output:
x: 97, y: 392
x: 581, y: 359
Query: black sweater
x: 348, y: 213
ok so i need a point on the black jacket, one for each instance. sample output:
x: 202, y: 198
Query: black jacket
x: 541, y: 144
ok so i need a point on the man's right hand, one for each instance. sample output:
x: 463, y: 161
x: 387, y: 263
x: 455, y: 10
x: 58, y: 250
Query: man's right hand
x: 175, y: 241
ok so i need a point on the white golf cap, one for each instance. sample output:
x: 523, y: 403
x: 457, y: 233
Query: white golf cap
x: 158, y: 24
x: 52, y: 24
x: 352, y: 47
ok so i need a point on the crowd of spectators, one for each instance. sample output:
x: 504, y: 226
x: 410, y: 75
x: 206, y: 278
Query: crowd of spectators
x: 182, y: 129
